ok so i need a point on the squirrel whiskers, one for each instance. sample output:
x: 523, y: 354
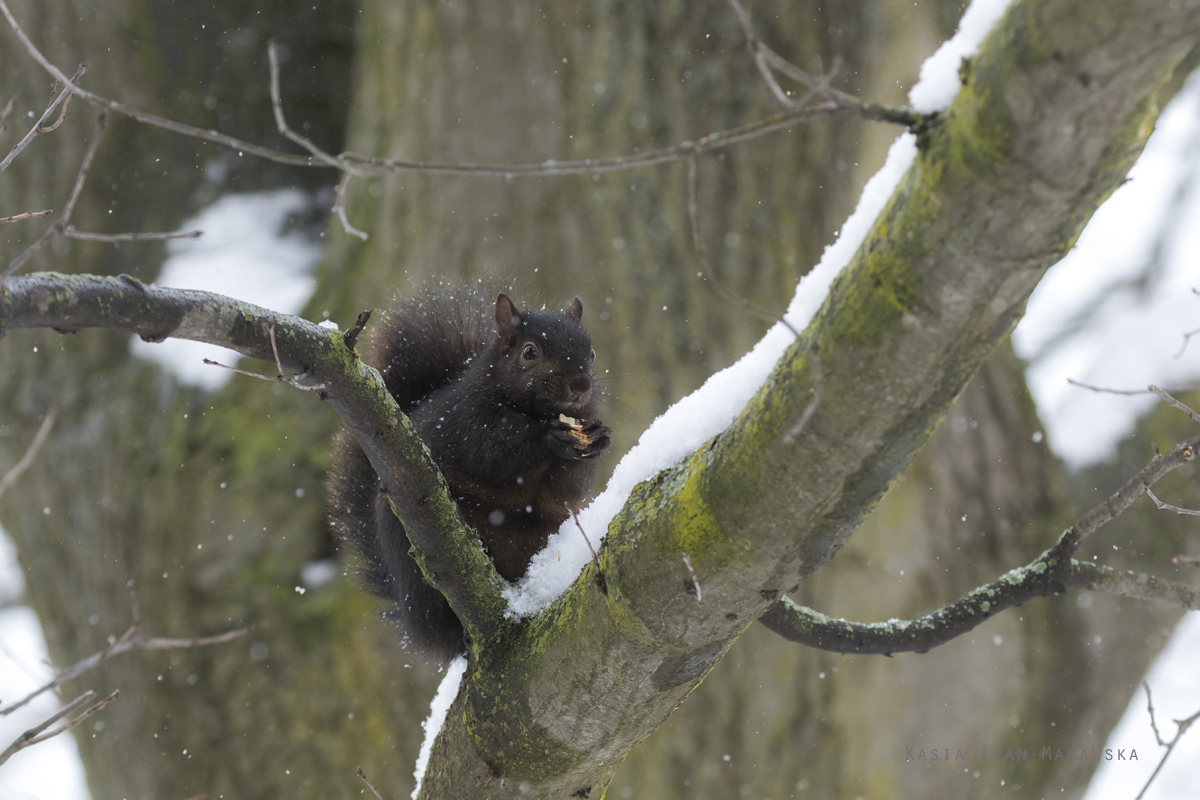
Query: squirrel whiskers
x: 504, y: 400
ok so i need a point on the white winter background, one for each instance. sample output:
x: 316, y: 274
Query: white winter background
x: 1113, y: 313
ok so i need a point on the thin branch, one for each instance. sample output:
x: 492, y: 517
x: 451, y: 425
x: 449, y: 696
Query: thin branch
x: 1050, y: 573
x: 1187, y: 336
x: 27, y: 215
x: 281, y: 123
x: 374, y: 791
x: 60, y: 226
x: 587, y: 541
x: 35, y: 734
x: 339, y: 206
x: 1168, y: 507
x: 62, y: 114
x: 1171, y: 401
x: 365, y: 165
x: 1044, y: 576
x: 1150, y: 708
x: 756, y: 48
x: 1181, y: 726
x: 272, y: 378
x: 132, y: 639
x: 142, y: 116
x: 1103, y: 390
x: 31, y: 452
x: 71, y: 233
x: 37, y: 126
x: 280, y: 378
x: 1182, y: 559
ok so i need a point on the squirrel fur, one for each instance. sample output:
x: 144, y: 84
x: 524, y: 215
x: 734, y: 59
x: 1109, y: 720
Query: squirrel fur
x: 484, y: 384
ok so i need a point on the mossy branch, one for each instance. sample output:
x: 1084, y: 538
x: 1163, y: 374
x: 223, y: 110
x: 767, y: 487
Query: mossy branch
x: 1048, y: 574
x: 447, y: 549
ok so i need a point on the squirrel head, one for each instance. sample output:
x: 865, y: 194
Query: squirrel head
x: 545, y: 359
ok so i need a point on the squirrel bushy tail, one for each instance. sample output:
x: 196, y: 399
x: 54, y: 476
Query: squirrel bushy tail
x: 488, y: 388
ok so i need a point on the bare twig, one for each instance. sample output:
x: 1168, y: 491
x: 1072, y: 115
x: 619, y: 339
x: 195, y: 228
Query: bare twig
x: 280, y: 378
x: 1168, y: 507
x: 37, y: 126
x: 71, y: 233
x: 769, y: 62
x: 60, y: 225
x: 1103, y: 390
x: 281, y: 123
x: 31, y: 452
x: 62, y: 114
x: 687, y: 562
x: 27, y: 215
x: 1150, y: 708
x: 339, y: 202
x: 374, y: 791
x: 142, y: 116
x: 364, y: 165
x: 756, y: 48
x: 275, y: 348
x: 339, y: 207
x: 1181, y: 726
x: 1171, y: 401
x: 587, y: 541
x: 36, y: 734
x: 131, y: 639
x: 1050, y: 573
x: 1186, y: 338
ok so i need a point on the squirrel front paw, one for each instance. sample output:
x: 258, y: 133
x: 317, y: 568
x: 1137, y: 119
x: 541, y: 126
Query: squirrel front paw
x: 570, y: 442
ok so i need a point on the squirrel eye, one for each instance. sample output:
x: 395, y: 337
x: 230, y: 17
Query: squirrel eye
x: 593, y: 355
x: 530, y: 352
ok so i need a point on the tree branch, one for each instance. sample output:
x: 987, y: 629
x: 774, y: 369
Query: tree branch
x: 1181, y: 727
x: 367, y: 165
x: 38, y: 126
x: 35, y: 734
x: 132, y: 639
x: 60, y: 225
x: 31, y: 453
x: 1048, y: 574
x: 27, y: 215
x: 447, y: 549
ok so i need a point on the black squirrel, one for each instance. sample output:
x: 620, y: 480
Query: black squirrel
x: 504, y: 400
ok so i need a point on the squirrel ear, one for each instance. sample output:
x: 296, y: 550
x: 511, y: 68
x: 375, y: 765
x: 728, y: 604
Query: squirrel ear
x: 574, y: 309
x: 508, y: 317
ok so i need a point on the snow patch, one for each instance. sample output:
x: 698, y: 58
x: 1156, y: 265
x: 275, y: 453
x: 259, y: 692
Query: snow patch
x: 939, y: 82
x: 438, y: 710
x: 246, y: 252
x: 1108, y: 314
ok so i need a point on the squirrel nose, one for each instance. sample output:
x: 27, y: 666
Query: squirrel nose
x: 581, y: 389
